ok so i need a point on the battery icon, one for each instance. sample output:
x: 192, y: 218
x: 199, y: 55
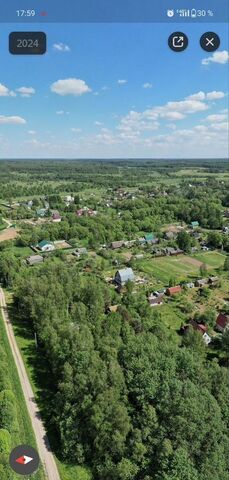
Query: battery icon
x: 193, y: 13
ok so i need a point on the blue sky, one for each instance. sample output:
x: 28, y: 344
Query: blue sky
x: 114, y: 90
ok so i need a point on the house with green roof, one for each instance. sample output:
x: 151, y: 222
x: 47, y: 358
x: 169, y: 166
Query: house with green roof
x: 46, y: 246
x: 194, y: 224
x: 150, y: 238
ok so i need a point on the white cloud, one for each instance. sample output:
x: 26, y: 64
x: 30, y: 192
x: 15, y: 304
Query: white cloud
x: 98, y: 124
x: 70, y: 86
x: 62, y: 112
x: 176, y: 110
x: 216, y: 118
x: 76, y: 130
x: 215, y: 95
x: 171, y: 126
x: 220, y: 126
x: 12, y: 120
x: 173, y: 115
x: 105, y: 87
x: 200, y: 96
x: 61, y: 47
x: 147, y: 85
x: 32, y: 132
x: 122, y: 82
x: 196, y: 96
x: 26, y: 91
x: 5, y: 92
x: 217, y: 57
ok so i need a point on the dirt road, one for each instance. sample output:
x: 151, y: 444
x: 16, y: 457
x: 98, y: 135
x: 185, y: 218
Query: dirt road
x: 45, y: 453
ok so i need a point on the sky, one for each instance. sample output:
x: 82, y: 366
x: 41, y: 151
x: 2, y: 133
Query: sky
x: 114, y: 91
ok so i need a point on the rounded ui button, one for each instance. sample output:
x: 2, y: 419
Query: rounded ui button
x: 24, y: 460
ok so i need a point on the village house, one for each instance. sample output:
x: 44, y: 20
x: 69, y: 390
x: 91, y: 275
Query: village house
x: 173, y: 251
x: 68, y: 199
x: 123, y: 276
x: 141, y: 240
x: 196, y: 235
x: 169, y: 235
x: 202, y: 329
x: 150, y: 238
x: 158, y: 252
x: 154, y: 301
x: 158, y: 293
x: 194, y: 224
x: 189, y: 285
x: 34, y: 260
x: 213, y: 281
x: 222, y: 322
x: 129, y: 243
x: 112, y: 308
x: 173, y: 290
x: 87, y: 212
x: 56, y: 218
x: 80, y: 251
x: 46, y: 246
x: 201, y: 282
x: 117, y: 244
x: 139, y: 256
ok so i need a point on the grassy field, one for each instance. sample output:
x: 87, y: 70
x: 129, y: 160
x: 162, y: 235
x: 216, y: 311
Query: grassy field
x: 22, y: 251
x: 36, y: 368
x: 25, y: 434
x: 172, y: 316
x: 182, y: 267
x: 164, y: 268
x: 214, y: 259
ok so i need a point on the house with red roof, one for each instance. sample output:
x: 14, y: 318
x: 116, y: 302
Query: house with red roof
x: 222, y: 322
x: 173, y: 290
x: 202, y: 329
x: 56, y: 217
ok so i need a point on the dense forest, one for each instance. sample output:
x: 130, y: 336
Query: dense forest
x: 8, y: 418
x: 128, y: 394
x: 127, y: 399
